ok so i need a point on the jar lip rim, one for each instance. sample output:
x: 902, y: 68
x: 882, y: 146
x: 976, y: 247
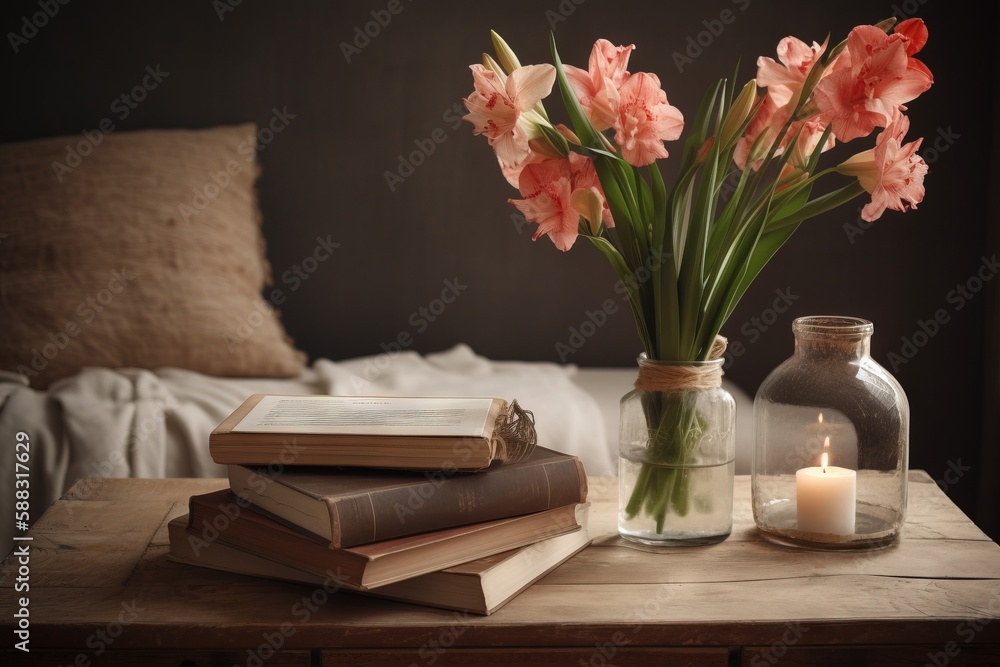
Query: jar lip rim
x: 833, y: 325
x: 643, y: 359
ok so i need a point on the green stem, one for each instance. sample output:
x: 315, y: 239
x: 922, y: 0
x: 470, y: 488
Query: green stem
x: 664, y: 478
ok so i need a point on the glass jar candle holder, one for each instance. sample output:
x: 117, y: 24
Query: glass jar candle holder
x: 831, y: 442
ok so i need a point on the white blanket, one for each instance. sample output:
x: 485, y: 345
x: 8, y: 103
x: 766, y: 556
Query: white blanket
x: 141, y: 423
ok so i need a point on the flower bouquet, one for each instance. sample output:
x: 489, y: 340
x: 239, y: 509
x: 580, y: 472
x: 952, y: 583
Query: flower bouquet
x: 686, y: 254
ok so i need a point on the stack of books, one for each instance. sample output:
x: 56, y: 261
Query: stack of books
x: 431, y: 501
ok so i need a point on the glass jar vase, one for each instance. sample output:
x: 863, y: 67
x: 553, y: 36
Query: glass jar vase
x: 677, y: 455
x: 831, y: 442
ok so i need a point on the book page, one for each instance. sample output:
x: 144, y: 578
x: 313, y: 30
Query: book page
x: 365, y: 415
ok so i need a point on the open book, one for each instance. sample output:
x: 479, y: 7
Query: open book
x: 374, y: 431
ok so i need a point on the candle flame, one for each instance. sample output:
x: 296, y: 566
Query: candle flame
x: 821, y: 418
x: 825, y: 461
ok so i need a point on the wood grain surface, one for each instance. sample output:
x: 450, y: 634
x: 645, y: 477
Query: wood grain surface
x: 100, y: 554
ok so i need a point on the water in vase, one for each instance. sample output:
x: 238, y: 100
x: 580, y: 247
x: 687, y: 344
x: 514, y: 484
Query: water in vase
x: 684, y: 505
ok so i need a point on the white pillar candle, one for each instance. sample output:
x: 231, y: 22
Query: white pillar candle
x: 826, y: 498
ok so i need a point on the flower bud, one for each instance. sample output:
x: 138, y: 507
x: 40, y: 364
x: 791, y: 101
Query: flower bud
x: 885, y: 24
x: 545, y: 139
x: 859, y: 164
x: 790, y: 175
x: 504, y: 53
x: 589, y: 203
x: 704, y: 150
x: 569, y: 134
x: 494, y: 67
x: 739, y: 113
x: 544, y: 146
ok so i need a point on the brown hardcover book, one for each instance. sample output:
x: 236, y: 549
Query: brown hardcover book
x: 350, y: 506
x: 374, y: 431
x: 480, y: 586
x: 227, y: 518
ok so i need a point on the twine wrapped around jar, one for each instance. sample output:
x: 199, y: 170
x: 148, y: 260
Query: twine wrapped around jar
x: 683, y: 376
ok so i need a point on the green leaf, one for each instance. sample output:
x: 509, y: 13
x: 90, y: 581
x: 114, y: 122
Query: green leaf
x: 814, y: 158
x: 692, y: 275
x: 725, y: 274
x: 664, y: 273
x: 726, y: 220
x: 768, y: 243
x: 739, y: 266
x: 763, y: 251
x: 659, y: 221
x: 817, y: 206
x: 581, y: 126
x: 699, y: 127
x: 645, y: 203
x: 605, y: 153
x: 739, y: 274
x: 624, y: 207
x: 680, y: 212
x: 628, y: 281
x: 733, y: 80
x: 721, y: 269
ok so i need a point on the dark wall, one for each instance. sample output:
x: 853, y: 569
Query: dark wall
x: 448, y: 220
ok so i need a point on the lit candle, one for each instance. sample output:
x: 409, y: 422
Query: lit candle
x: 826, y: 497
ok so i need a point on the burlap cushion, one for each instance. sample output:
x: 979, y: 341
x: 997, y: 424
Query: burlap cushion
x: 143, y: 250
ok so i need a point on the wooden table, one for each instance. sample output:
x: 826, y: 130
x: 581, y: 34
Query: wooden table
x: 102, y: 592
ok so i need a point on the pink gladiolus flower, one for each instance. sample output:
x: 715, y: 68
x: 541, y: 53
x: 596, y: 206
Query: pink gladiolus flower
x: 877, y: 76
x: 548, y: 187
x: 892, y: 172
x: 784, y: 82
x: 502, y: 109
x: 915, y: 34
x: 538, y: 152
x: 634, y: 105
x: 809, y: 133
x: 597, y: 89
x: 645, y: 120
x: 513, y: 173
x: 768, y: 122
x: 585, y: 177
